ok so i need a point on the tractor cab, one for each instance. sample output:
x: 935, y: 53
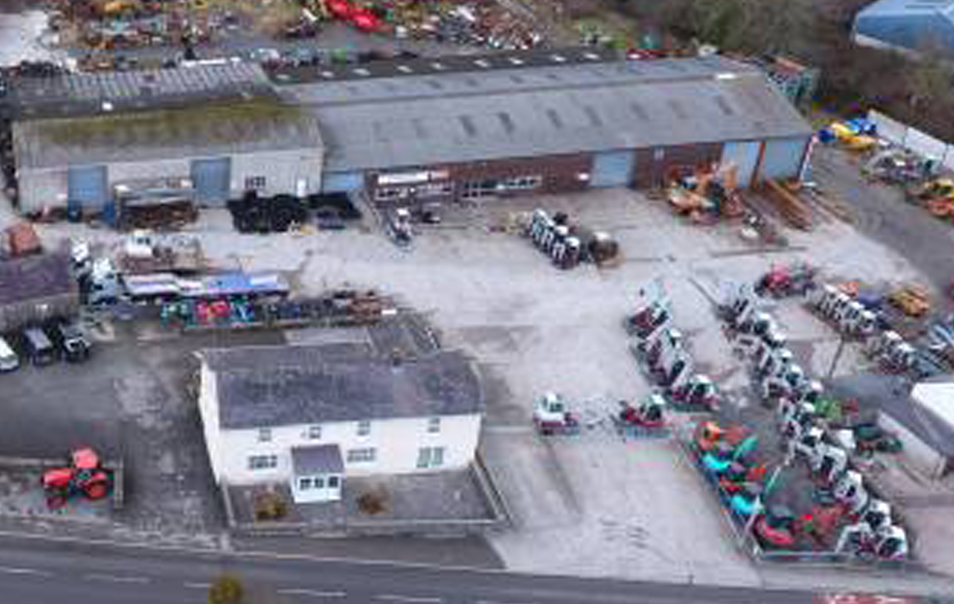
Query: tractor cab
x: 708, y: 435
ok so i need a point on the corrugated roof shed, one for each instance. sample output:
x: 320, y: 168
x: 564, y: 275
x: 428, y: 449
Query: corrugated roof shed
x: 502, y: 113
x: 287, y: 385
x: 195, y: 131
x: 911, y: 24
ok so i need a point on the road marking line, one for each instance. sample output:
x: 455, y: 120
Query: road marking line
x: 116, y: 579
x: 10, y: 570
x: 491, y: 602
x: 197, y: 585
x: 400, y: 598
x: 313, y: 593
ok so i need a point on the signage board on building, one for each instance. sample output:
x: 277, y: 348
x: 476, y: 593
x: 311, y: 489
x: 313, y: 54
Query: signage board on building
x: 412, y: 178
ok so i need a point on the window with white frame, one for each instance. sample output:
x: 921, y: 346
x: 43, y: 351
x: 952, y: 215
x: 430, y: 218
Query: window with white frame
x: 333, y: 482
x: 264, y: 435
x: 364, y: 455
x: 304, y: 484
x: 262, y: 462
x: 255, y: 183
x: 364, y: 427
x: 434, y: 425
x: 430, y: 457
x: 314, y: 432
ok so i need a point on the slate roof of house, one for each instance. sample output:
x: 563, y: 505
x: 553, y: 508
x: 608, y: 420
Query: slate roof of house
x: 318, y: 459
x: 288, y: 385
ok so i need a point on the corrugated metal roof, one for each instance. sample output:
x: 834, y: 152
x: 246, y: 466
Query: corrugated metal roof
x: 909, y: 7
x: 405, y: 121
x: 98, y: 93
x: 197, y: 131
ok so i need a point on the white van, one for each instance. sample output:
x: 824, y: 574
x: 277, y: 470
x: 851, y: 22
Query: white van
x: 8, y: 359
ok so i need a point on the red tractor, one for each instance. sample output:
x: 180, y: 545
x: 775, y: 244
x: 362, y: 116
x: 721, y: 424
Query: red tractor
x: 84, y: 476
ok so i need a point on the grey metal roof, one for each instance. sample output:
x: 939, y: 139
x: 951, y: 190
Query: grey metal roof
x: 35, y: 277
x: 319, y: 459
x: 503, y: 113
x: 287, y: 385
x: 85, y: 93
x: 196, y: 131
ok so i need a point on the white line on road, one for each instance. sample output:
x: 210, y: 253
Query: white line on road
x: 116, y: 579
x: 400, y: 598
x: 313, y: 593
x: 491, y: 602
x: 197, y: 585
x: 10, y: 570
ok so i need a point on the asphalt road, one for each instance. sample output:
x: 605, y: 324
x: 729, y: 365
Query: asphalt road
x: 41, y: 572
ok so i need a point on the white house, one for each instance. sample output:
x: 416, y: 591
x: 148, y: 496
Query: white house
x: 313, y: 415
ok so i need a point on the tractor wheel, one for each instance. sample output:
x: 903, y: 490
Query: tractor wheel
x: 97, y: 490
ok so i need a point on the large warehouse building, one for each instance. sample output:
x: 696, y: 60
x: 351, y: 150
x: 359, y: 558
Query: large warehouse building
x: 421, y: 130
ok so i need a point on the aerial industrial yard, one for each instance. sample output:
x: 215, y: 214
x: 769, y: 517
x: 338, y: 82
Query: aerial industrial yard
x: 462, y: 287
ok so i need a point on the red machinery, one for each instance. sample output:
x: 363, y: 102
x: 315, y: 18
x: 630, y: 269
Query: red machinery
x: 647, y: 415
x: 362, y: 18
x: 782, y: 281
x: 776, y: 528
x: 84, y: 476
x: 339, y: 9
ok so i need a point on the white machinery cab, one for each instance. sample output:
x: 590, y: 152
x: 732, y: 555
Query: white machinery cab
x: 822, y: 294
x: 877, y: 514
x: 848, y: 485
x: 831, y: 462
x: 891, y: 543
x: 139, y: 244
x: 809, y: 442
x: 551, y: 405
x: 837, y: 306
x: 886, y: 341
x: 777, y: 362
x: 812, y: 392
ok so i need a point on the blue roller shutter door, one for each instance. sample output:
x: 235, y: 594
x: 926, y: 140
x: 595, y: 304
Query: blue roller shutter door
x: 613, y: 169
x: 745, y: 156
x: 88, y: 187
x: 342, y: 182
x: 212, y: 180
x: 783, y: 157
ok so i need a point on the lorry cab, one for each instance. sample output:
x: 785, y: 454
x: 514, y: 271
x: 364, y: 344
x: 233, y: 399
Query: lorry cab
x: 38, y: 346
x: 9, y: 361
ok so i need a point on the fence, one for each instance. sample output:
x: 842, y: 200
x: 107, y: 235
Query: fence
x: 913, y: 139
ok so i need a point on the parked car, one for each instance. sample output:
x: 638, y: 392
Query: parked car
x: 39, y: 348
x: 9, y: 361
x: 329, y: 219
x: 71, y: 341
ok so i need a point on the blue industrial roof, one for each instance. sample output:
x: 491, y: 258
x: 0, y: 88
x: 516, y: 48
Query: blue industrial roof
x: 911, y: 24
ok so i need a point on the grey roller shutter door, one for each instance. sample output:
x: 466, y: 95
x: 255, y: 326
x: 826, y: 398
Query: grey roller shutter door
x: 783, y: 157
x: 212, y: 180
x: 613, y: 169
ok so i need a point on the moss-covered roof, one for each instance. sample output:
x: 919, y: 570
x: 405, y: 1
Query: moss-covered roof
x: 200, y: 130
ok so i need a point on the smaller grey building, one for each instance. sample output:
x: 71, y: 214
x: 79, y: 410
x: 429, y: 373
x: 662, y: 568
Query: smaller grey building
x: 36, y: 288
x: 202, y: 134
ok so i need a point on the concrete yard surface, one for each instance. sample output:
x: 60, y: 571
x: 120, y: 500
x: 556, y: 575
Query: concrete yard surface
x: 591, y: 505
